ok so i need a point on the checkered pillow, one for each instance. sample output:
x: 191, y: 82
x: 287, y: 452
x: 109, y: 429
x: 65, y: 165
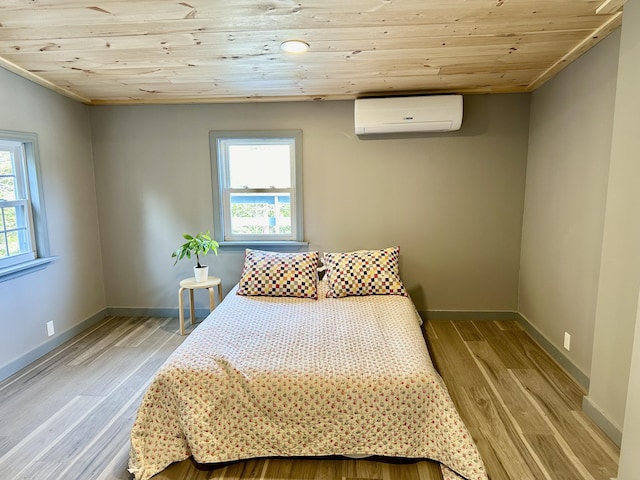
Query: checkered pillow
x: 279, y: 274
x: 364, y: 272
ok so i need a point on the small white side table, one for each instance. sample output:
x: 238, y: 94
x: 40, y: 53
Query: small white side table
x: 191, y: 285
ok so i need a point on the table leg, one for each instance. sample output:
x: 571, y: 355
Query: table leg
x: 181, y: 310
x: 192, y: 308
x: 212, y: 299
x: 219, y: 292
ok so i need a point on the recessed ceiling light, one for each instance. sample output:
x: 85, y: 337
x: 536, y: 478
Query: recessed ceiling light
x: 294, y: 46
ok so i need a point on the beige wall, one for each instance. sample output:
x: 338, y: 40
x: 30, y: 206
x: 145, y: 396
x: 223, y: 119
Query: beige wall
x: 629, y: 465
x: 71, y: 289
x: 566, y: 188
x: 453, y: 202
x: 616, y: 315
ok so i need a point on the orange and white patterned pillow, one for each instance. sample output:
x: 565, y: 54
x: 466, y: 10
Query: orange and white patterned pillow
x: 364, y: 272
x: 275, y: 274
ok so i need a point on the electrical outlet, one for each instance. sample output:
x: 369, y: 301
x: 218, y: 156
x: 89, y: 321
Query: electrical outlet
x: 50, y: 330
x: 567, y: 341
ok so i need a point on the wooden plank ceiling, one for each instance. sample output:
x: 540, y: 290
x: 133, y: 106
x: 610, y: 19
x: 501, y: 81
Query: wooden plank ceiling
x: 197, y: 51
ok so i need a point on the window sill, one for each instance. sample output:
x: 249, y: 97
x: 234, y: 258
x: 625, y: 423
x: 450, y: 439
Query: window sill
x: 271, y: 246
x: 25, y: 268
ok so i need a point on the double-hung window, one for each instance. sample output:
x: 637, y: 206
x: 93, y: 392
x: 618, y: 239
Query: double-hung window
x: 22, y: 223
x: 257, y: 185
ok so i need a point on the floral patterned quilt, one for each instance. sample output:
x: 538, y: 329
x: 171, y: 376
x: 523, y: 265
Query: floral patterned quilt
x: 277, y: 376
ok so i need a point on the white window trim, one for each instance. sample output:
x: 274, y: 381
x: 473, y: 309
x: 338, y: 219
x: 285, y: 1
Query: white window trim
x: 40, y: 238
x: 221, y: 194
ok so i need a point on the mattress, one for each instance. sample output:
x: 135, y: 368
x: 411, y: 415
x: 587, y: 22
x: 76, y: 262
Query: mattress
x: 279, y: 376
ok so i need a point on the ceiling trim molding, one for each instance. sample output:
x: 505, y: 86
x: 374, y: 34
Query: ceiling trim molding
x: 610, y: 6
x: 12, y: 67
x: 614, y: 22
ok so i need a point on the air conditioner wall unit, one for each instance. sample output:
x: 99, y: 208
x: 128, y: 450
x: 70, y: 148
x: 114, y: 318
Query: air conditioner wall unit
x: 437, y: 113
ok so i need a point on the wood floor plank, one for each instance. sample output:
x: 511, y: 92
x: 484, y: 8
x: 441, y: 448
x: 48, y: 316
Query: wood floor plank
x: 429, y: 471
x: 604, y: 442
x: 573, y: 440
x: 251, y: 470
x: 113, y: 470
x: 186, y: 471
x: 278, y: 469
x: 548, y: 368
x: 35, y: 446
x: 512, y: 356
x: 451, y: 358
x: 517, y: 403
x: 429, y: 331
x: 467, y: 330
x: 146, y: 329
x: 117, y: 409
x: 329, y: 470
x: 19, y: 421
x: 508, y: 325
x: 495, y: 423
x: 492, y: 460
x: 302, y: 468
x: 43, y: 470
x: 107, y: 439
x: 122, y: 361
x: 98, y: 348
x: 391, y: 471
x: 554, y: 460
x: 362, y: 469
x: 44, y: 377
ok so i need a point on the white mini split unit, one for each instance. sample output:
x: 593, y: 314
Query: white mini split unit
x: 438, y: 113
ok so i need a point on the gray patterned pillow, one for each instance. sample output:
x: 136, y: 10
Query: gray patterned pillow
x: 274, y: 274
x: 364, y: 272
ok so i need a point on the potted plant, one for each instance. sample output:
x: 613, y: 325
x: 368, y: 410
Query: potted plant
x: 197, y: 245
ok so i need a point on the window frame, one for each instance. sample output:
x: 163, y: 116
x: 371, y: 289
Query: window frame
x: 34, y: 203
x: 219, y: 142
x: 24, y: 221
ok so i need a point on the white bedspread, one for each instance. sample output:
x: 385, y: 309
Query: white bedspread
x: 298, y: 377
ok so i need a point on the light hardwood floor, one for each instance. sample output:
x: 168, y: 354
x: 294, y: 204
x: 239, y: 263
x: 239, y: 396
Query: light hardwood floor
x: 68, y: 415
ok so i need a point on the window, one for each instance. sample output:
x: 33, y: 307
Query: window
x: 257, y: 185
x: 22, y: 222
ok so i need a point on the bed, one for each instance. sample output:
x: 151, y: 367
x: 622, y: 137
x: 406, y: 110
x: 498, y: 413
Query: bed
x: 315, y: 374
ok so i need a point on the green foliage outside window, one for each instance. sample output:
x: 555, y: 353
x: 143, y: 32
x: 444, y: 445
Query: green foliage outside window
x: 7, y: 178
x: 260, y: 210
x: 9, y: 241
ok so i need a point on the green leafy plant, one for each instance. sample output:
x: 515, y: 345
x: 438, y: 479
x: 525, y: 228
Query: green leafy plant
x: 197, y: 245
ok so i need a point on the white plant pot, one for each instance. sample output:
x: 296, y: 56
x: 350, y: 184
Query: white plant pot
x: 201, y: 273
